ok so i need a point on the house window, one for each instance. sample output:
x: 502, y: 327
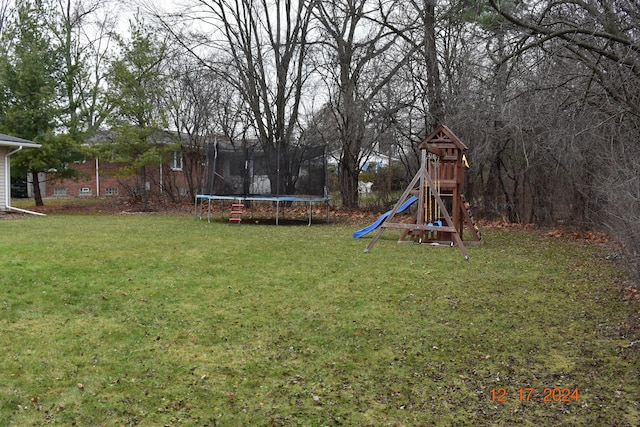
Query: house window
x: 85, y: 191
x: 111, y: 191
x: 59, y: 191
x: 176, y: 161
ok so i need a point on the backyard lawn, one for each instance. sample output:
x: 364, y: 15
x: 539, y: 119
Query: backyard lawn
x: 156, y: 320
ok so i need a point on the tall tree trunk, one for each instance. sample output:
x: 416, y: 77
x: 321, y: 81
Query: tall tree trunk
x: 434, y: 84
x: 37, y: 194
x: 348, y: 176
x: 352, y: 135
x: 493, y: 189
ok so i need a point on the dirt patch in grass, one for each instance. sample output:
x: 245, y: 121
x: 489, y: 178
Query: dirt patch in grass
x: 12, y: 215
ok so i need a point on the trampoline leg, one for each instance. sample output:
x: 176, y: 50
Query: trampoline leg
x: 327, y: 212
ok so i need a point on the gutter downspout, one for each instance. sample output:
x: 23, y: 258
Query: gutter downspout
x: 7, y: 175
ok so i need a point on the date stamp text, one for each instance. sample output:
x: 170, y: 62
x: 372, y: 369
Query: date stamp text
x: 549, y: 394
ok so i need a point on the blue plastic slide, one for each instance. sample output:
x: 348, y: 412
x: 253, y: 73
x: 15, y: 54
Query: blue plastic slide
x: 368, y: 229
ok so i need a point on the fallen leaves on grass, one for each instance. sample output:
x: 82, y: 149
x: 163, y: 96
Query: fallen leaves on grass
x: 592, y: 236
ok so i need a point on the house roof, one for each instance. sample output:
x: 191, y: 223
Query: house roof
x: 12, y: 141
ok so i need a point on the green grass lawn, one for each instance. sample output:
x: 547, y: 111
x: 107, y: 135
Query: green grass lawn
x: 165, y: 320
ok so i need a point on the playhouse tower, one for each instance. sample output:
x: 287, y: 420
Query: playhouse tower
x: 442, y: 212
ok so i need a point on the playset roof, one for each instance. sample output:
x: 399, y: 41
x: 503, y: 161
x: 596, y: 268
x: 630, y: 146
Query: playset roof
x: 443, y: 136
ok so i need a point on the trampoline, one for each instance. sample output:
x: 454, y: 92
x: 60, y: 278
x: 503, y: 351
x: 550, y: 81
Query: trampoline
x: 248, y: 171
x: 202, y: 199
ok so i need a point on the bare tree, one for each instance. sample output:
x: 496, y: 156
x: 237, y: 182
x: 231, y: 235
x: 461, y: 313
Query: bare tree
x: 4, y: 12
x: 601, y: 41
x: 435, y: 34
x: 203, y: 107
x: 427, y: 12
x: 602, y: 35
x: 362, y: 54
x: 266, y: 43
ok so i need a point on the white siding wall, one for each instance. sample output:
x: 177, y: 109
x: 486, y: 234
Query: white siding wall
x: 3, y: 153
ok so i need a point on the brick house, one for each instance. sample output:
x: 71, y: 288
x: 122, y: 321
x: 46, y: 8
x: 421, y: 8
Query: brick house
x: 214, y: 165
x: 103, y: 177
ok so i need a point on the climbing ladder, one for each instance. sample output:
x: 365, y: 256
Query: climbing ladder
x: 469, y: 217
x: 237, y: 209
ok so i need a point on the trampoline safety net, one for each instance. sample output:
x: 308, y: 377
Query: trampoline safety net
x: 250, y: 170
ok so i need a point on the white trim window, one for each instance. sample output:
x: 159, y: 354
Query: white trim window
x: 176, y: 161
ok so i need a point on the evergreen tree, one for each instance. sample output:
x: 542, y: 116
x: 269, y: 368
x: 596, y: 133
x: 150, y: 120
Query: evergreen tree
x: 137, y: 88
x: 30, y: 69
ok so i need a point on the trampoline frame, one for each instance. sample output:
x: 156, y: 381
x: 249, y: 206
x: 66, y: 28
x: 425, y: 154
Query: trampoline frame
x: 208, y: 198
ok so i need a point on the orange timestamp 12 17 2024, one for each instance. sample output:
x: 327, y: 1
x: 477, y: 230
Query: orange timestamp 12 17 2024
x: 549, y: 394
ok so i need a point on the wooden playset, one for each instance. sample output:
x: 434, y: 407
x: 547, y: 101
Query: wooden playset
x: 442, y: 211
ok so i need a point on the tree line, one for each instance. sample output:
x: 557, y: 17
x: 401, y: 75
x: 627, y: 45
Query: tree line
x: 545, y: 93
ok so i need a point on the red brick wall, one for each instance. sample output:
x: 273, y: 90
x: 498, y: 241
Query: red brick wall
x: 110, y: 178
